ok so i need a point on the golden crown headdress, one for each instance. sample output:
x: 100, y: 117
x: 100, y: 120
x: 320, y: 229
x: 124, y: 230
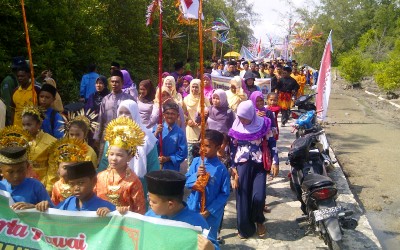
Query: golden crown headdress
x: 88, y: 117
x: 14, y: 136
x: 34, y: 110
x: 68, y: 150
x: 124, y: 133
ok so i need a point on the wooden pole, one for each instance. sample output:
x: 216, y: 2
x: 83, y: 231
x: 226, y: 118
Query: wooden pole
x: 160, y: 44
x: 28, y: 45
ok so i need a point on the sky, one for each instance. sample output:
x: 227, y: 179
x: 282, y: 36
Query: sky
x: 272, y: 21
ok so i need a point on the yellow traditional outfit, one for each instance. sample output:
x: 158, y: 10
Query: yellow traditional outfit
x: 124, y: 190
x: 234, y: 99
x: 65, y: 150
x: 39, y: 153
x: 302, y: 84
x: 21, y: 98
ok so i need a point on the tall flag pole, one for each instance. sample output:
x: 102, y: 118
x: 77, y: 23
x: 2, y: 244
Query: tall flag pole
x: 160, y: 44
x: 28, y: 45
x: 324, y: 80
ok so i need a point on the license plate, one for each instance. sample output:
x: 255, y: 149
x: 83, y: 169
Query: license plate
x: 326, y: 213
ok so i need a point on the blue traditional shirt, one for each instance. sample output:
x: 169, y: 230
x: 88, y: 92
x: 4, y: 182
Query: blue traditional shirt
x: 94, y: 203
x: 30, y: 191
x: 88, y: 84
x: 53, y: 129
x: 174, y: 145
x: 188, y: 216
x: 217, y: 191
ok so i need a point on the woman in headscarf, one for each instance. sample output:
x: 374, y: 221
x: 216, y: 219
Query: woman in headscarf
x: 249, y: 135
x: 235, y: 95
x: 166, y: 96
x: 192, y: 108
x: 145, y: 102
x: 146, y: 159
x: 129, y: 86
x: 95, y: 99
x: 208, y: 86
x: 170, y: 83
x: 184, y: 90
x: 220, y: 116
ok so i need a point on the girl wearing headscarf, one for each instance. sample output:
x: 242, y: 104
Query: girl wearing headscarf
x: 249, y: 152
x: 235, y: 95
x: 166, y: 96
x: 192, y: 108
x: 220, y: 116
x: 129, y: 86
x: 208, y: 86
x: 258, y: 101
x: 185, y: 88
x: 145, y: 102
x: 170, y: 83
x: 94, y: 100
x: 146, y: 159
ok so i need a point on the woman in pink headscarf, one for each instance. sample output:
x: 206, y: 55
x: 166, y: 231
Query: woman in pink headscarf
x: 208, y: 86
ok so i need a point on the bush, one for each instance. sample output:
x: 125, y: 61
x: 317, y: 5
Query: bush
x: 387, y: 72
x: 353, y: 66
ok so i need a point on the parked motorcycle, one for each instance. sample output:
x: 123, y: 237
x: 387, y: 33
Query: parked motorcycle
x: 317, y: 192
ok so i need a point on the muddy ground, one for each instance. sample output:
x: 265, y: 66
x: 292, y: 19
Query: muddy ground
x: 364, y: 133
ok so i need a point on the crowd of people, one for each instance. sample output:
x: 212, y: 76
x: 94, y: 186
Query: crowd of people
x: 120, y: 153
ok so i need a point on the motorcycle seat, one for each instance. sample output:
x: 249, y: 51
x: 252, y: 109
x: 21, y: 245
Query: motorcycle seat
x: 312, y: 181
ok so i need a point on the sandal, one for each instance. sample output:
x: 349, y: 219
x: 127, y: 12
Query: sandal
x: 266, y: 209
x: 261, y: 230
x: 240, y: 236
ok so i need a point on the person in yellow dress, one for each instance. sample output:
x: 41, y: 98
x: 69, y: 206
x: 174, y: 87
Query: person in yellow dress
x: 32, y: 118
x: 77, y: 126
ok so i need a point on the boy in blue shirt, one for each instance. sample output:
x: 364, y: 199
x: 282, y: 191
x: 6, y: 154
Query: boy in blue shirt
x: 26, y: 192
x: 174, y: 144
x: 82, y: 179
x: 53, y: 120
x: 218, y: 187
x: 166, y: 201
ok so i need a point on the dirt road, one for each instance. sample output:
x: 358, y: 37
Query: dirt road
x: 364, y: 133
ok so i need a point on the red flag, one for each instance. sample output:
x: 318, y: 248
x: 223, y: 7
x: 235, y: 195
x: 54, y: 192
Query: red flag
x: 259, y: 47
x: 324, y: 80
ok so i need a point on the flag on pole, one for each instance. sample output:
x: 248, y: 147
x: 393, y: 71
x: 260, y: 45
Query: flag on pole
x: 190, y: 9
x: 259, y: 47
x: 324, y: 80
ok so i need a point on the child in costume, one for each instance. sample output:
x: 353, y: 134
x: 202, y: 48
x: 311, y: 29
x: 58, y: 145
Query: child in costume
x: 220, y: 116
x: 53, y: 120
x: 32, y: 118
x: 218, y: 187
x: 26, y: 192
x: 77, y: 126
x: 272, y: 105
x: 166, y: 201
x: 175, y: 149
x: 65, y: 152
x: 82, y: 179
x: 118, y: 183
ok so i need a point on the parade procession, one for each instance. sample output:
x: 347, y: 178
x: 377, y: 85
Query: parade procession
x: 157, y: 124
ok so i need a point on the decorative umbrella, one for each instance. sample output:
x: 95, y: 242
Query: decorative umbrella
x: 232, y: 54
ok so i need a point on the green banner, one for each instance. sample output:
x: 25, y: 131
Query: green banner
x: 56, y: 229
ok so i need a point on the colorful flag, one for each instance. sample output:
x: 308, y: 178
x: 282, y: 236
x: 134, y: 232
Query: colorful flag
x: 324, y: 80
x: 259, y: 47
x: 190, y: 9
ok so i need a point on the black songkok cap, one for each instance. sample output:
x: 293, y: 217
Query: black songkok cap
x: 13, y: 155
x: 49, y: 88
x: 165, y: 182
x: 115, y: 64
x: 118, y: 73
x: 80, y: 170
x: 170, y: 105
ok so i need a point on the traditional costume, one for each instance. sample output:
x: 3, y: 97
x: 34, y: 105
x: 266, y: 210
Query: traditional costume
x: 125, y: 189
x: 217, y: 191
x: 65, y: 150
x: 53, y: 120
x: 234, y: 99
x: 268, y: 113
x: 29, y: 190
x: 81, y: 170
x: 287, y: 87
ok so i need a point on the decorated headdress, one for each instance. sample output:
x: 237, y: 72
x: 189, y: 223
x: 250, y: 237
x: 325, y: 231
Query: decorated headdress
x: 124, y: 133
x: 14, y: 136
x: 35, y: 111
x: 68, y: 150
x: 88, y: 117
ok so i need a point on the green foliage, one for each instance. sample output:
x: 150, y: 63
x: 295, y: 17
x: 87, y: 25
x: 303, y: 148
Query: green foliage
x: 353, y: 66
x: 387, y: 72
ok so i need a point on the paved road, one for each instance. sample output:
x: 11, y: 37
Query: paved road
x: 282, y: 230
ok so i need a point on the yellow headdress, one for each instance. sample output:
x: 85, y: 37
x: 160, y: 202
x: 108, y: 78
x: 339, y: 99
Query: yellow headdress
x: 14, y: 136
x: 87, y: 117
x: 34, y: 110
x: 68, y: 150
x: 124, y: 133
